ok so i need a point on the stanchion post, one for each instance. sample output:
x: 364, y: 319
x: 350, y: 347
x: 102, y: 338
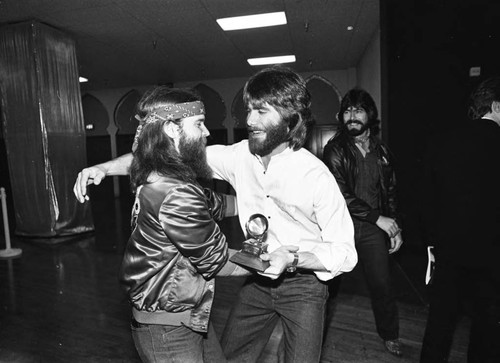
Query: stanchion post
x: 8, y: 252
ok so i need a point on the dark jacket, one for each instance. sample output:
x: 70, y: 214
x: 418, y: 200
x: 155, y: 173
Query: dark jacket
x: 340, y: 156
x: 174, y: 251
x: 461, y: 194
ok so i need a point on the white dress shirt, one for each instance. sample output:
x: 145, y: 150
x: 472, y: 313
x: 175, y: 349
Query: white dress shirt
x: 298, y: 195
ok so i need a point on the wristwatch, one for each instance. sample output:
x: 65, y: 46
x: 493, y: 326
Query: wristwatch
x: 293, y: 266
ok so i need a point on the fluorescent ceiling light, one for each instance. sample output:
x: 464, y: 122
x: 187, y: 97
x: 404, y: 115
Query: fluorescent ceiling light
x: 252, y: 21
x: 271, y: 60
x: 83, y: 79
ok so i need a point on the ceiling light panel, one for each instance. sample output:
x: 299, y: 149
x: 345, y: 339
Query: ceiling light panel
x: 271, y: 60
x: 252, y: 21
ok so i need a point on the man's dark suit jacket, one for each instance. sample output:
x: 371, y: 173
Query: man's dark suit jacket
x: 462, y: 194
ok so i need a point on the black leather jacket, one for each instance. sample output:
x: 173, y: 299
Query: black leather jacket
x: 174, y: 251
x: 340, y: 156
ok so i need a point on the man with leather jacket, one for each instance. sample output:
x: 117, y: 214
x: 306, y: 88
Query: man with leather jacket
x: 363, y: 168
x: 176, y: 248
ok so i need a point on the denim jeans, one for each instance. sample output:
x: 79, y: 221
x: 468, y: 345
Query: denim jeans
x: 179, y: 344
x: 373, y: 257
x: 298, y: 300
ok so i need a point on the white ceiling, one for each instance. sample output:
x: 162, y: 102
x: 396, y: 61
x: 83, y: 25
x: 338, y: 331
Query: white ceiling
x: 136, y: 42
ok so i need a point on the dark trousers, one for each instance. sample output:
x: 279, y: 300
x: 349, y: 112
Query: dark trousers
x: 373, y: 257
x: 453, y: 288
x: 297, y: 300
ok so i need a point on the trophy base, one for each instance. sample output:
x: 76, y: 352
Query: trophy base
x: 250, y: 261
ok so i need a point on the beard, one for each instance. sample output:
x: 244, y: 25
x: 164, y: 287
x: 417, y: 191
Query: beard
x: 356, y: 132
x: 274, y: 136
x: 194, y: 155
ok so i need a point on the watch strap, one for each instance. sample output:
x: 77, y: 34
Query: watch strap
x: 293, y: 266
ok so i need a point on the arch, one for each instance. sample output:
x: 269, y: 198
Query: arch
x: 95, y: 116
x: 325, y: 105
x: 215, y: 109
x: 124, y: 113
x: 238, y: 110
x: 325, y: 99
x: 239, y: 115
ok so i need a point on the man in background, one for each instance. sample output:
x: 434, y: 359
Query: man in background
x: 364, y: 170
x: 462, y: 220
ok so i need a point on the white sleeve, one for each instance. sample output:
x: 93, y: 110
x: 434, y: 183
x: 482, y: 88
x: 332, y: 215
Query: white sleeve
x: 221, y: 159
x: 337, y: 252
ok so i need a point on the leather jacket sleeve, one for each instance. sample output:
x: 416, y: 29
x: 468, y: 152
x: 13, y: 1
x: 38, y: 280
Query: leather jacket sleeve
x: 343, y: 167
x: 216, y: 204
x: 189, y: 226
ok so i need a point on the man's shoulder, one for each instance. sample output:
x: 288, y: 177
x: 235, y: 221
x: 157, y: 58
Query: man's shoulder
x: 239, y: 144
x: 304, y: 161
x: 168, y: 186
x: 240, y: 147
x: 337, y: 144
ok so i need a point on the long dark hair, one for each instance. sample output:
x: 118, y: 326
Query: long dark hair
x: 286, y: 91
x: 359, y: 98
x: 156, y: 151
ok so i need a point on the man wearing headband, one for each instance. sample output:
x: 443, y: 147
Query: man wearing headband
x: 176, y: 248
x: 310, y: 236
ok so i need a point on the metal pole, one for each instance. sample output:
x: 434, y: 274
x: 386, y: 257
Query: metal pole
x: 7, y: 252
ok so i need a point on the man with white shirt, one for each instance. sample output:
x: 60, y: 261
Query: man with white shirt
x: 311, y: 235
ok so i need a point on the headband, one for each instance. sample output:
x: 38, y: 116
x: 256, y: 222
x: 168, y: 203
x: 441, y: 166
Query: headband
x: 172, y: 112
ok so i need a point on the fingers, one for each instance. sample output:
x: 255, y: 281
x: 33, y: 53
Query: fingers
x: 270, y: 274
x: 265, y: 257
x: 288, y: 248
x: 282, y: 251
x: 394, y: 231
x: 85, y: 177
x: 396, y: 243
x: 80, y: 193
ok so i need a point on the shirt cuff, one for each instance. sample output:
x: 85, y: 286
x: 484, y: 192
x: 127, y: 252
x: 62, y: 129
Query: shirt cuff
x: 335, y: 259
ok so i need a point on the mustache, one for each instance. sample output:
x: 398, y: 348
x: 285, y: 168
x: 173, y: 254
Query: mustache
x: 351, y: 122
x: 252, y: 129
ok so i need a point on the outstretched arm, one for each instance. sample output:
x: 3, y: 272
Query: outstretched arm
x: 95, y: 174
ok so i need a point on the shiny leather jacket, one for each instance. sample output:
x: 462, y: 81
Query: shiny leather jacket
x: 174, y: 251
x: 340, y: 156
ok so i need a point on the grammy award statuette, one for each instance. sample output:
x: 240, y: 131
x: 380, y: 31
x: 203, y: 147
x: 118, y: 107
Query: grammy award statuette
x: 253, y: 247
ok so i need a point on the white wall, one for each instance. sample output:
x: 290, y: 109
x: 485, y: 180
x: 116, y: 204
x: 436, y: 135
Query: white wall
x: 227, y: 89
x: 369, y: 70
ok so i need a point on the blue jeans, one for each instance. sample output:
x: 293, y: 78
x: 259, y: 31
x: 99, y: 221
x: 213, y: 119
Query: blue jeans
x: 373, y: 257
x: 298, y: 300
x: 179, y: 344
